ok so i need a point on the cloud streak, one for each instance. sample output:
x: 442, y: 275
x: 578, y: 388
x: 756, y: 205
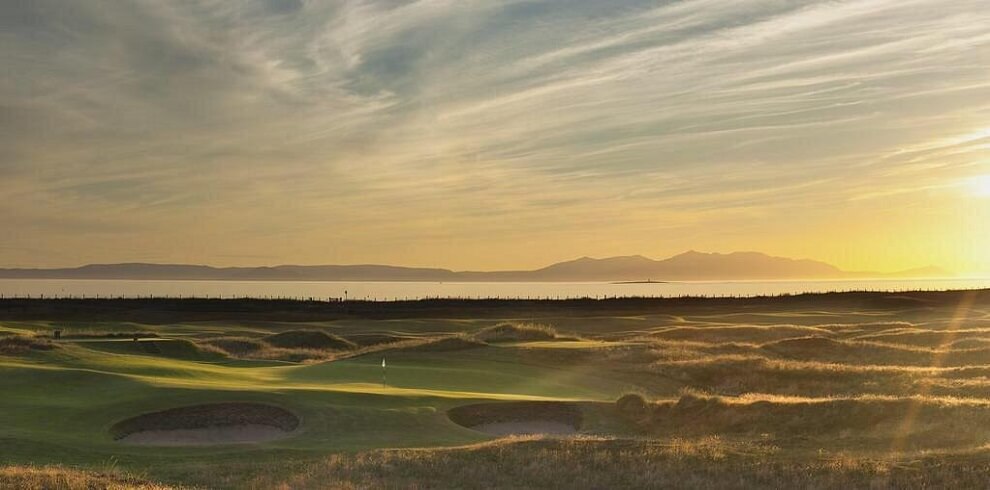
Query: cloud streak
x: 483, y: 134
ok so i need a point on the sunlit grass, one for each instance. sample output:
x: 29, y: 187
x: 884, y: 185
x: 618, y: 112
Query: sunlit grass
x: 791, y: 400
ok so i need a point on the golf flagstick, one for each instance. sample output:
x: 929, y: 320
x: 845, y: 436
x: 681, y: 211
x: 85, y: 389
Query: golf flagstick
x: 383, y: 372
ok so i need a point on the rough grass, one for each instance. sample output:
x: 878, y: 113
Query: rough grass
x: 516, y: 332
x: 267, y: 352
x: 291, y: 346
x: 735, y: 374
x: 293, y: 355
x: 61, y: 478
x: 491, y: 413
x: 309, y: 339
x: 927, y: 338
x: 706, y: 462
x: 633, y: 407
x: 740, y: 333
x: 859, y: 352
x: 180, y: 348
x: 374, y: 339
x: 441, y: 344
x: 237, y: 346
x: 109, y: 335
x: 869, y: 421
x: 22, y: 344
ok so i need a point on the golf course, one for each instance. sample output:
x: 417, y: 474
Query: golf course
x: 831, y: 390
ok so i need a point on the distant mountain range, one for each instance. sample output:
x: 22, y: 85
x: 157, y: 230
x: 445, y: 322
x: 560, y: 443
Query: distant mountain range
x: 688, y: 266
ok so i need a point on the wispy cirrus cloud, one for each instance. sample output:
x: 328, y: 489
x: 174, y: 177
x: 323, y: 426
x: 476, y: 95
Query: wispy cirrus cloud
x: 477, y: 133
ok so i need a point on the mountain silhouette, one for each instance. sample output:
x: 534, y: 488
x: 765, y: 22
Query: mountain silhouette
x: 688, y: 266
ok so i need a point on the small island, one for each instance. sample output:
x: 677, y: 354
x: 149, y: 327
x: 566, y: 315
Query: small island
x: 648, y: 281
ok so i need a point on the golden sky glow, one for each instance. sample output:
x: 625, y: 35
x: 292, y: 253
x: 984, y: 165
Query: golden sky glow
x: 494, y: 134
x: 980, y: 185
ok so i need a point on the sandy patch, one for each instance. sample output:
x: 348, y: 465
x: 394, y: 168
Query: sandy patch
x: 199, y: 425
x: 235, y: 434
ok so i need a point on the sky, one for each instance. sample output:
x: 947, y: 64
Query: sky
x: 477, y: 134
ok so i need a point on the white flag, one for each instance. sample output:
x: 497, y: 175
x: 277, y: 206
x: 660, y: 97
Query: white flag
x: 383, y: 362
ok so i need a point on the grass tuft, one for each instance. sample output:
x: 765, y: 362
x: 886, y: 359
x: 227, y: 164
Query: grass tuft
x: 22, y: 344
x: 633, y: 407
x: 516, y: 332
x: 62, y: 478
x: 237, y: 346
x: 309, y: 339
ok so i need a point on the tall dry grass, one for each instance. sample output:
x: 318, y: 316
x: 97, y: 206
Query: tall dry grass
x: 516, y: 332
x: 62, y: 478
x: 704, y: 462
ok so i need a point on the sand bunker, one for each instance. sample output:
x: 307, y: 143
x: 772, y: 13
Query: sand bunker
x: 217, y: 423
x: 519, y: 418
x: 241, y: 434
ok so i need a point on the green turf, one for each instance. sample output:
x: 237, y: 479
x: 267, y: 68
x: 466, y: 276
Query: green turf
x: 58, y: 405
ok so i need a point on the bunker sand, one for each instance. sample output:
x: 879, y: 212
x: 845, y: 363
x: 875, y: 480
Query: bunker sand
x: 210, y: 424
x: 209, y: 436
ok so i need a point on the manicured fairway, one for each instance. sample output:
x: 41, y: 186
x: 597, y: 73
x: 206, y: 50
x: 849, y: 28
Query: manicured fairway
x: 58, y: 405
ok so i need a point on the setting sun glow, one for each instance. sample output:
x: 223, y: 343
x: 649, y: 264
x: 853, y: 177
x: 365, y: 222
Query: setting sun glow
x: 980, y: 185
x: 492, y: 135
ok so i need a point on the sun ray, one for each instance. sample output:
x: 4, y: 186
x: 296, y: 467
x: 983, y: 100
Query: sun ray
x: 961, y: 314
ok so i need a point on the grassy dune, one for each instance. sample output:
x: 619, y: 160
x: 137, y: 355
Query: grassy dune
x: 857, y: 391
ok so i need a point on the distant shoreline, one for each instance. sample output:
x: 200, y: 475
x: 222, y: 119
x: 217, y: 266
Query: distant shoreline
x: 169, y: 310
x: 688, y: 266
x: 395, y: 291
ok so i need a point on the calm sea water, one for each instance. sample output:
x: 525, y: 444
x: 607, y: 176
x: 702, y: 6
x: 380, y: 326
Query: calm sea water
x: 387, y: 291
